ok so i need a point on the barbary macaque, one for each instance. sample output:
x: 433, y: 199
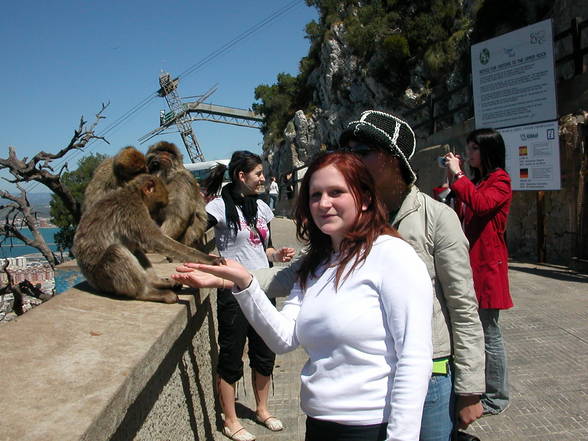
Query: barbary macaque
x: 114, y: 172
x: 184, y: 218
x: 114, y: 234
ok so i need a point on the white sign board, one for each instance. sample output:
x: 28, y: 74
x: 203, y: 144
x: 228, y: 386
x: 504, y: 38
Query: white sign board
x: 513, y: 78
x: 532, y: 156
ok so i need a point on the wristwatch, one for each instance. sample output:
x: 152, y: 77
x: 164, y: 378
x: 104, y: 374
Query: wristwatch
x: 458, y: 175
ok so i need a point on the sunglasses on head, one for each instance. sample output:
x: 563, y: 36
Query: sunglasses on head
x: 359, y: 149
x: 363, y: 149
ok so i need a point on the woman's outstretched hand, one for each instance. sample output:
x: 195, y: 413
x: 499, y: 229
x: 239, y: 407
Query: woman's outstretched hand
x: 189, y: 275
x: 210, y: 276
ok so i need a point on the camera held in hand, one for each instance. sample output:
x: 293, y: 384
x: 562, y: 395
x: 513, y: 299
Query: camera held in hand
x: 442, y: 161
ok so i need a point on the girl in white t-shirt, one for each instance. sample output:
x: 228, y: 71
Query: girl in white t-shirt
x: 361, y: 309
x: 241, y: 229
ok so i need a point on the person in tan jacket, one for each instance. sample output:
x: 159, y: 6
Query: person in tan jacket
x: 385, y: 143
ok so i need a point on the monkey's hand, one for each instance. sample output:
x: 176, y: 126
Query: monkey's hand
x: 233, y: 271
x: 219, y: 260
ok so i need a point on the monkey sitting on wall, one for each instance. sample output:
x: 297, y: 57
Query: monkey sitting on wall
x: 113, y: 173
x: 184, y: 219
x: 112, y: 237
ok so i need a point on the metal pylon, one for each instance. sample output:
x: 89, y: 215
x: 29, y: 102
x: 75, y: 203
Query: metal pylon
x: 181, y: 117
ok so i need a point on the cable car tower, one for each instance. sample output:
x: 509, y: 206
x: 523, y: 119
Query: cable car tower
x: 169, y: 90
x: 182, y: 114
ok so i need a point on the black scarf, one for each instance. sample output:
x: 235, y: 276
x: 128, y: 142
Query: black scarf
x: 247, y: 204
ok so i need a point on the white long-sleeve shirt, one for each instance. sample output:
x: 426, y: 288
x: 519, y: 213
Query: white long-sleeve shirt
x: 368, y: 343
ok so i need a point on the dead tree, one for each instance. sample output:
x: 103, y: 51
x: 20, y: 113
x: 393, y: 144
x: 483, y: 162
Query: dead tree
x: 39, y: 169
x: 11, y: 287
x: 19, y: 292
x: 19, y: 214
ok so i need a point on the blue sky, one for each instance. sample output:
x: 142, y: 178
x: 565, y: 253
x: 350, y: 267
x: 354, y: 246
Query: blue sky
x: 63, y: 58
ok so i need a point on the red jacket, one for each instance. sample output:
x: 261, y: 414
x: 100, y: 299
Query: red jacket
x: 484, y: 211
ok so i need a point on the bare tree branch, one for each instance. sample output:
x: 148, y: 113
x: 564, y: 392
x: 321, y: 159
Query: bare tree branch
x: 39, y: 168
x: 6, y: 288
x: 18, y: 212
x: 12, y: 225
x: 18, y: 304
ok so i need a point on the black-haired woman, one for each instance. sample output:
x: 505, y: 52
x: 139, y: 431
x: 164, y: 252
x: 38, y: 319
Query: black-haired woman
x: 241, y: 225
x: 485, y: 203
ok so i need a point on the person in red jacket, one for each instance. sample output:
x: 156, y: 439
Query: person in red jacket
x: 484, y: 206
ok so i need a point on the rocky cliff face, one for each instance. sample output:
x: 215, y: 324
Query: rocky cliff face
x: 343, y: 89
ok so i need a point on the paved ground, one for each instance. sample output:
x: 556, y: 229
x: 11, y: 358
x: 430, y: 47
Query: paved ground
x: 546, y: 334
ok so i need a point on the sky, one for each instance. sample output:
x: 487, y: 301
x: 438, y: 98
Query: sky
x: 62, y: 59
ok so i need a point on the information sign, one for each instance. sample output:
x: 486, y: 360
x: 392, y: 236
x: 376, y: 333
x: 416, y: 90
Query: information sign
x: 513, y: 78
x: 532, y: 156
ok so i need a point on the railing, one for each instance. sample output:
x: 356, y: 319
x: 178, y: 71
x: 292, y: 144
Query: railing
x: 435, y: 102
x: 578, y: 52
x: 432, y: 105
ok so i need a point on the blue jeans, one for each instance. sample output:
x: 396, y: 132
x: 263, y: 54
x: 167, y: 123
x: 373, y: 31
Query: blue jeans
x: 273, y: 201
x: 439, y: 411
x: 495, y: 400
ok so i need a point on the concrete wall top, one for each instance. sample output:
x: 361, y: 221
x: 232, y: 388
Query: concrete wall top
x: 71, y: 367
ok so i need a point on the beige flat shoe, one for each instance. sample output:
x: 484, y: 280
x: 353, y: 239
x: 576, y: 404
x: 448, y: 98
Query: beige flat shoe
x: 239, y: 435
x: 272, y: 423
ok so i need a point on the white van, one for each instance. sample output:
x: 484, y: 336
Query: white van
x: 201, y: 170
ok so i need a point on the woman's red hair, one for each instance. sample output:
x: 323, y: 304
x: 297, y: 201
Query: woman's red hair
x: 369, y: 224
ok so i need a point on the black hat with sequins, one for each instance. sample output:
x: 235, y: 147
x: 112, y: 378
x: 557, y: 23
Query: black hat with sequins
x: 385, y: 131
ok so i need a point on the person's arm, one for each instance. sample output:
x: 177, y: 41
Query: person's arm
x: 407, y: 298
x: 452, y: 265
x: 277, y: 329
x: 283, y: 254
x: 486, y: 199
x: 210, y: 221
x: 468, y: 409
x: 276, y: 281
x: 279, y: 280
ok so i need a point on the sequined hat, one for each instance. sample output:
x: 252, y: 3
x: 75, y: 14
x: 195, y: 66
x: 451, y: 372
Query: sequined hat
x: 385, y: 131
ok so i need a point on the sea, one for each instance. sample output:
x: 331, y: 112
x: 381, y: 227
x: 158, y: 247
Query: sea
x: 64, y: 278
x: 18, y: 248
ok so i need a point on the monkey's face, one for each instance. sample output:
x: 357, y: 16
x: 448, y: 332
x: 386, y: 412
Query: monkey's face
x: 163, y: 157
x: 162, y: 162
x: 155, y: 194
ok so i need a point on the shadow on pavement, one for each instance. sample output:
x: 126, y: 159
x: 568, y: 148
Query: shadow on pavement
x: 550, y: 271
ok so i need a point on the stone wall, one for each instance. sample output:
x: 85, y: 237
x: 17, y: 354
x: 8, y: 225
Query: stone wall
x: 84, y: 366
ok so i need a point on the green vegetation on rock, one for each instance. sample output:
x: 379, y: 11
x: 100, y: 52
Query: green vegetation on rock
x: 389, y: 38
x: 398, y: 43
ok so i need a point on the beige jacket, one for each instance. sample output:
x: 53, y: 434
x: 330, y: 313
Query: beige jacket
x: 434, y: 231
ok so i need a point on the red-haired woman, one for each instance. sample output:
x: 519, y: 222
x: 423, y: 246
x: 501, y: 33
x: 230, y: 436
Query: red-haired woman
x: 361, y: 310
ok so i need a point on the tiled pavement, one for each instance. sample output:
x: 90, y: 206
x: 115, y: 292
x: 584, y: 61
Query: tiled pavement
x: 546, y: 335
